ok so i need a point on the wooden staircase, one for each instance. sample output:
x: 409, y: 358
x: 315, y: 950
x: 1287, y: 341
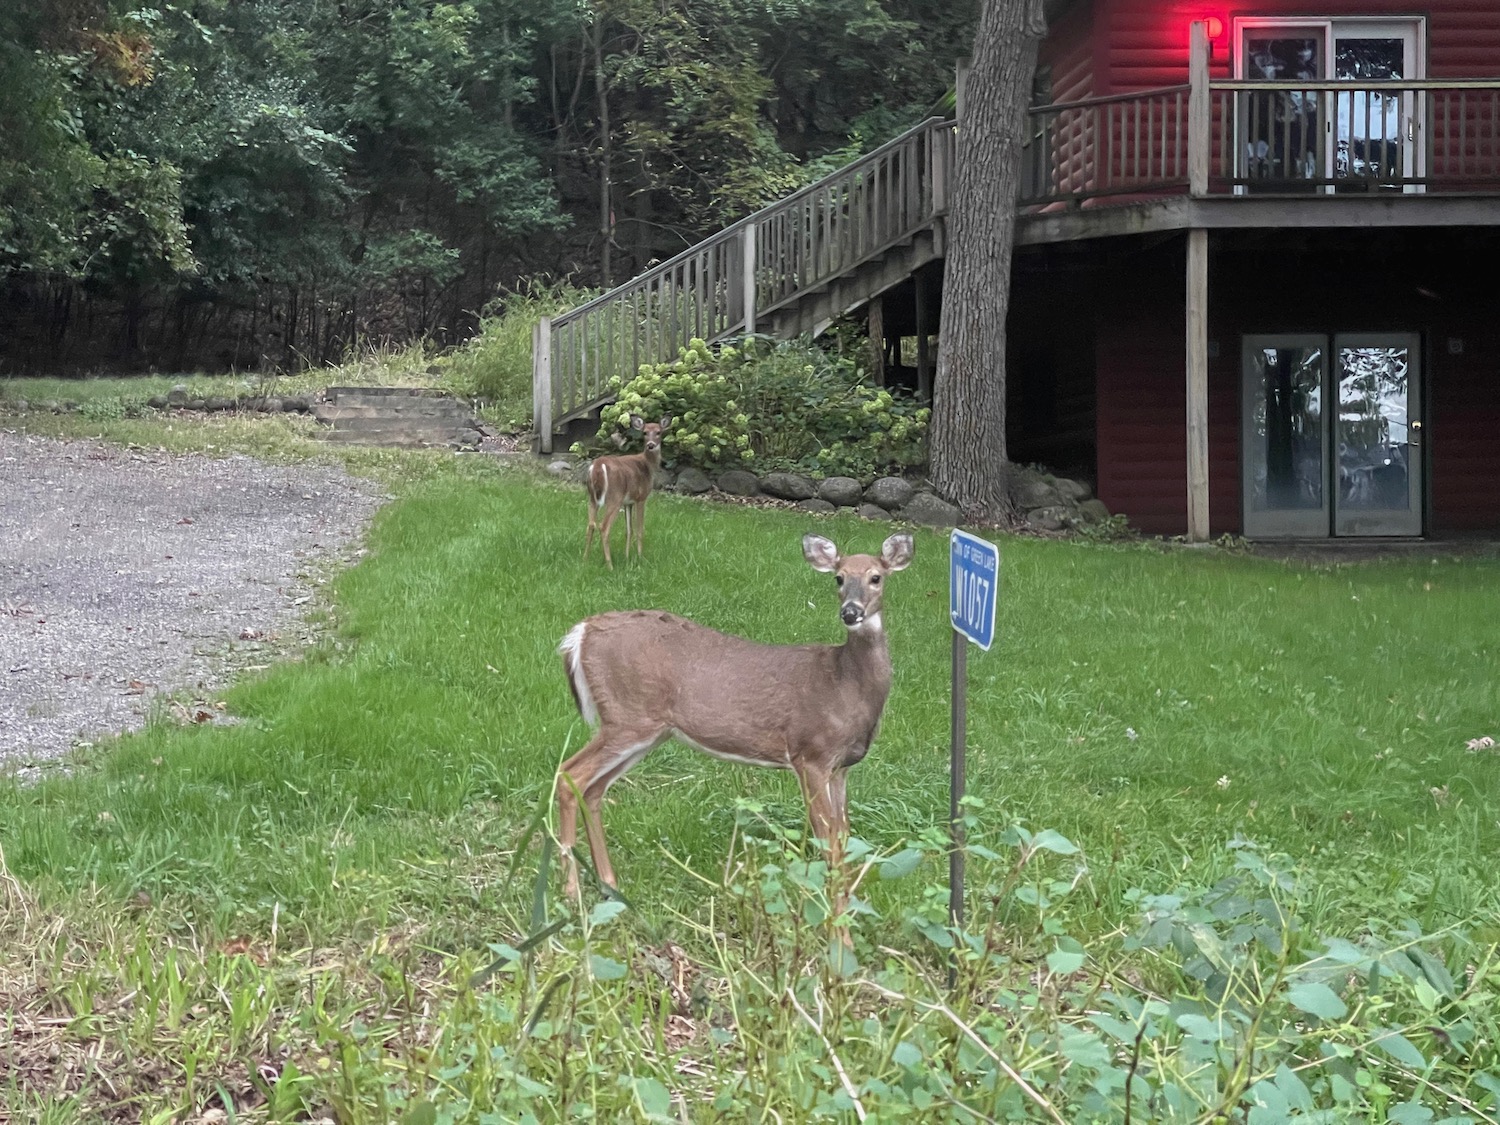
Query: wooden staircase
x: 791, y: 268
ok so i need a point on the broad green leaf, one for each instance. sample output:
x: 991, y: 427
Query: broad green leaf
x: 1317, y: 999
x: 422, y: 1113
x: 1115, y: 1029
x: 603, y: 968
x: 841, y: 959
x: 1400, y: 1048
x: 1409, y: 1113
x: 900, y: 864
x: 1293, y: 1089
x: 1066, y: 960
x: 907, y: 1054
x: 655, y: 1100
x: 1053, y: 841
x: 1200, y: 1027
x: 1085, y: 1049
x: 606, y: 912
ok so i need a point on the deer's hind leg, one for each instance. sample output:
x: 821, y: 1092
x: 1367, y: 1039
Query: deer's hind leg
x: 611, y: 513
x: 588, y: 774
x: 588, y: 539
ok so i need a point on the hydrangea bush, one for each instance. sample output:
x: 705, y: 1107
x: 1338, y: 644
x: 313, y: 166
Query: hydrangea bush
x: 764, y: 405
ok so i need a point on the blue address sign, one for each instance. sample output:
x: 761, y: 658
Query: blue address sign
x: 973, y: 587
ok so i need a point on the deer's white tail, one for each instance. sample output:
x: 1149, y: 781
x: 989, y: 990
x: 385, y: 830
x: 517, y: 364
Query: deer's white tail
x: 598, y: 481
x: 571, y: 648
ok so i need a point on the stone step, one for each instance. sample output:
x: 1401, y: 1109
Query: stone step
x: 382, y: 422
x: 445, y: 409
x: 352, y: 394
x: 401, y: 436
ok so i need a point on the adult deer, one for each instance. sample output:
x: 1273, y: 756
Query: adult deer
x: 624, y: 481
x: 645, y: 676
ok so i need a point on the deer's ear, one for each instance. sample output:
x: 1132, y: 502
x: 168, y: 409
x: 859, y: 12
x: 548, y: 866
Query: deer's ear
x: 897, y: 551
x: 637, y: 422
x: 666, y: 422
x: 820, y: 554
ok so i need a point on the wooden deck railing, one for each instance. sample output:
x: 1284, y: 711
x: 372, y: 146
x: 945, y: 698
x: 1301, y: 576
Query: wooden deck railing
x: 1268, y: 138
x: 720, y: 287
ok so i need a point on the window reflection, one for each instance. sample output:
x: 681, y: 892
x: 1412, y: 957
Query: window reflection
x: 1374, y: 441
x: 1287, y: 461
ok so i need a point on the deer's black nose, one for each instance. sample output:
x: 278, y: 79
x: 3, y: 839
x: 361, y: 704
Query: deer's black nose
x: 852, y: 614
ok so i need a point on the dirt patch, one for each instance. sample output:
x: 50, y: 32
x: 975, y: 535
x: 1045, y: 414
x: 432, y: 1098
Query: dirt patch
x: 129, y: 574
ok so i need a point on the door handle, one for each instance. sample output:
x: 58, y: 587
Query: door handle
x: 1416, y: 432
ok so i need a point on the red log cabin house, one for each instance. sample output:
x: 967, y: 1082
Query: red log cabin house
x: 1258, y: 262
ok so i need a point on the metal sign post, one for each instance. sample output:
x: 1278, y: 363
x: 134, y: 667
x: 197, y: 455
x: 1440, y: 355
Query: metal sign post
x: 973, y: 592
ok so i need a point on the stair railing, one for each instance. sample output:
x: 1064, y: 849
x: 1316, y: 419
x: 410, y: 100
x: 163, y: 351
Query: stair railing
x: 737, y: 279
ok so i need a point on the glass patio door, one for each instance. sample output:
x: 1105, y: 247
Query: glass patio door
x: 1378, y: 435
x: 1319, y: 137
x: 1375, y: 133
x: 1331, y: 436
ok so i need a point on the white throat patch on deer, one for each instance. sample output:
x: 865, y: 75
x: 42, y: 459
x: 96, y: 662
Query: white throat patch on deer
x: 646, y: 676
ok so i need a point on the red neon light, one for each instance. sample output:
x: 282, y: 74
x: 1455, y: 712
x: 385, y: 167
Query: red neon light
x: 1215, y: 27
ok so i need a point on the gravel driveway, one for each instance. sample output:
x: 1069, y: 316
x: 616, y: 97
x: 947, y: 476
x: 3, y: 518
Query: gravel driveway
x: 126, y: 574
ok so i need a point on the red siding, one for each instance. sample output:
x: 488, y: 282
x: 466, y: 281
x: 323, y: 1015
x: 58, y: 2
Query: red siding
x: 1069, y: 51
x: 1144, y: 43
x: 1463, y: 419
x: 1142, y: 416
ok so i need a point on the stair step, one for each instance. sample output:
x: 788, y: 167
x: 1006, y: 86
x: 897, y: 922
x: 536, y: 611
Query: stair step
x: 445, y: 409
x: 341, y: 394
x: 400, y: 436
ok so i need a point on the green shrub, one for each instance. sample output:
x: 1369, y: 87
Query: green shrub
x: 496, y: 364
x: 787, y: 405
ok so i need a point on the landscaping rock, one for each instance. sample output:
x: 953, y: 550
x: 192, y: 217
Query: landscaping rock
x: 296, y: 404
x: 737, y: 482
x: 1093, y: 511
x: 821, y: 507
x: 1048, y: 519
x: 933, y: 511
x: 271, y: 405
x: 873, y: 512
x: 197, y: 404
x: 663, y: 479
x: 1031, y: 491
x: 157, y: 402
x: 218, y: 403
x: 788, y: 486
x: 1074, y: 491
x: 846, y: 492
x: 693, y: 482
x: 560, y: 468
x: 177, y: 396
x: 889, y: 492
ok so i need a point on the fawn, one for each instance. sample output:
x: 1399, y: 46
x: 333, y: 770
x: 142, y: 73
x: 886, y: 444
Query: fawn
x: 624, y: 481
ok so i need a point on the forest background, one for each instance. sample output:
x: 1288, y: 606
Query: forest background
x: 269, y: 184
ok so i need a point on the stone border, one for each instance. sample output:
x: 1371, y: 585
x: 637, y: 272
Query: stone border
x: 1050, y: 503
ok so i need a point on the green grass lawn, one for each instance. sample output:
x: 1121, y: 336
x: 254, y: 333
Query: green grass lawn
x: 1149, y: 704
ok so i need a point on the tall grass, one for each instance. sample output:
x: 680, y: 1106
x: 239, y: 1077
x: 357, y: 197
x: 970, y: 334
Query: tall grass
x: 495, y: 365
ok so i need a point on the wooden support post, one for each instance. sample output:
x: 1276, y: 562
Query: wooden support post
x: 1197, y: 385
x: 875, y: 328
x: 924, y: 353
x: 747, y: 282
x: 541, y: 383
x: 1200, y: 111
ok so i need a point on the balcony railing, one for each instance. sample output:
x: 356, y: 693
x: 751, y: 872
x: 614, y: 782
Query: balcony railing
x: 1291, y: 138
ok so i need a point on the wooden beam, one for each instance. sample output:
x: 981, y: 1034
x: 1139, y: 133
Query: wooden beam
x: 541, y: 383
x: 876, y: 331
x: 924, y: 332
x: 1200, y: 110
x: 747, y: 282
x: 1197, y: 386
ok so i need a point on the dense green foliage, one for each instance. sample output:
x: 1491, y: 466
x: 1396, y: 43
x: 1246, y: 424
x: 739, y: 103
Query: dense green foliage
x: 291, y: 908
x: 790, y: 405
x: 248, y: 181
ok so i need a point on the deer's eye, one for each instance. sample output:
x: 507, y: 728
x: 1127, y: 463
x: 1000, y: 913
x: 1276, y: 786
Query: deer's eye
x: 839, y: 579
x: 874, y: 580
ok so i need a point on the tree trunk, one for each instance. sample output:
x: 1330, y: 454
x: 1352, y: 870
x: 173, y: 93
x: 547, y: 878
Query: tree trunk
x: 969, y: 459
x: 606, y: 155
